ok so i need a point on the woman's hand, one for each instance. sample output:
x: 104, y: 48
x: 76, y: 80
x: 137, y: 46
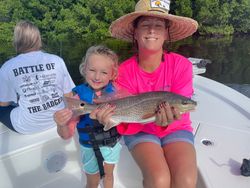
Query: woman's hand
x: 165, y: 114
x: 103, y: 113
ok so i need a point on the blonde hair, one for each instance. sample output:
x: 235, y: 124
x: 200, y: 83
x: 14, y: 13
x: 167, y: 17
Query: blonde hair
x: 99, y: 50
x: 26, y: 37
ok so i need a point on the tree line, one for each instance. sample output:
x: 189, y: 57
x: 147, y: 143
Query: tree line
x: 90, y: 19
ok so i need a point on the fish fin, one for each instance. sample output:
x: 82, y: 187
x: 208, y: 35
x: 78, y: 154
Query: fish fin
x: 110, y: 125
x: 76, y: 105
x: 147, y: 116
x: 117, y: 94
x: 149, y: 120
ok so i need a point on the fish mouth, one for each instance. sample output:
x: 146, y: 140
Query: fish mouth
x: 192, y: 110
x: 188, y: 109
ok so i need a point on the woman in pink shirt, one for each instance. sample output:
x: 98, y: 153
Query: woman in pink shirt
x: 163, y: 150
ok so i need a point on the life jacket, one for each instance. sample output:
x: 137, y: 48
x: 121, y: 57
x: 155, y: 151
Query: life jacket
x: 91, y: 133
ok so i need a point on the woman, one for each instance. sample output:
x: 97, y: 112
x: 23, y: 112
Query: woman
x: 35, y: 80
x: 163, y: 150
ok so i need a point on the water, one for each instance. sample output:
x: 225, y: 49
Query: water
x: 242, y: 88
x: 230, y: 57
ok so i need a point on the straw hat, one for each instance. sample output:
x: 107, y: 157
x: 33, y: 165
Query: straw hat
x: 179, y: 27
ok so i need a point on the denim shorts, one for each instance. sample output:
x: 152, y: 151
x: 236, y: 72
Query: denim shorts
x: 177, y: 136
x: 111, y: 155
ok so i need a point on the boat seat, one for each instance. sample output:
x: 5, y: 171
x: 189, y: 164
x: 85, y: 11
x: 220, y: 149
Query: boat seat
x: 39, y: 160
x: 218, y: 162
x: 12, y: 142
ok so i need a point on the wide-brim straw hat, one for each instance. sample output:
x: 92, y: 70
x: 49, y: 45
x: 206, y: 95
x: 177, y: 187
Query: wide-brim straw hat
x: 179, y: 27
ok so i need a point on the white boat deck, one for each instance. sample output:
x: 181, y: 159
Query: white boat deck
x: 44, y: 160
x: 222, y: 136
x: 220, y: 163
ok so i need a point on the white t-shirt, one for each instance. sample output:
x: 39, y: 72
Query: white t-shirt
x: 37, y: 82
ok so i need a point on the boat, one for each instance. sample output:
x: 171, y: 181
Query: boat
x: 221, y: 125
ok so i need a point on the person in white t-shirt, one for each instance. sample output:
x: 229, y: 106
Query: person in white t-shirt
x: 34, y: 80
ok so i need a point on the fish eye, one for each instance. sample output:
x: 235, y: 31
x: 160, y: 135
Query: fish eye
x: 82, y: 104
x: 185, y: 102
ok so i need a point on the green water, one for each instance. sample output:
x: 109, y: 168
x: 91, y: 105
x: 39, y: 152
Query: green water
x: 230, y: 56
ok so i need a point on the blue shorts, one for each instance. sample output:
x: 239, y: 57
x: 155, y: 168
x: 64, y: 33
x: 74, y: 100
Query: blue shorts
x: 5, y: 116
x: 177, y: 136
x: 110, y: 155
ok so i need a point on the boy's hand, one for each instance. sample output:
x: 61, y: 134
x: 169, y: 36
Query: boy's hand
x: 63, y: 116
x: 103, y: 113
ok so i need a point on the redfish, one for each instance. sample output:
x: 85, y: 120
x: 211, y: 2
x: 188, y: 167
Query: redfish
x: 140, y: 108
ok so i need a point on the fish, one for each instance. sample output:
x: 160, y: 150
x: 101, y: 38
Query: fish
x: 140, y: 108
